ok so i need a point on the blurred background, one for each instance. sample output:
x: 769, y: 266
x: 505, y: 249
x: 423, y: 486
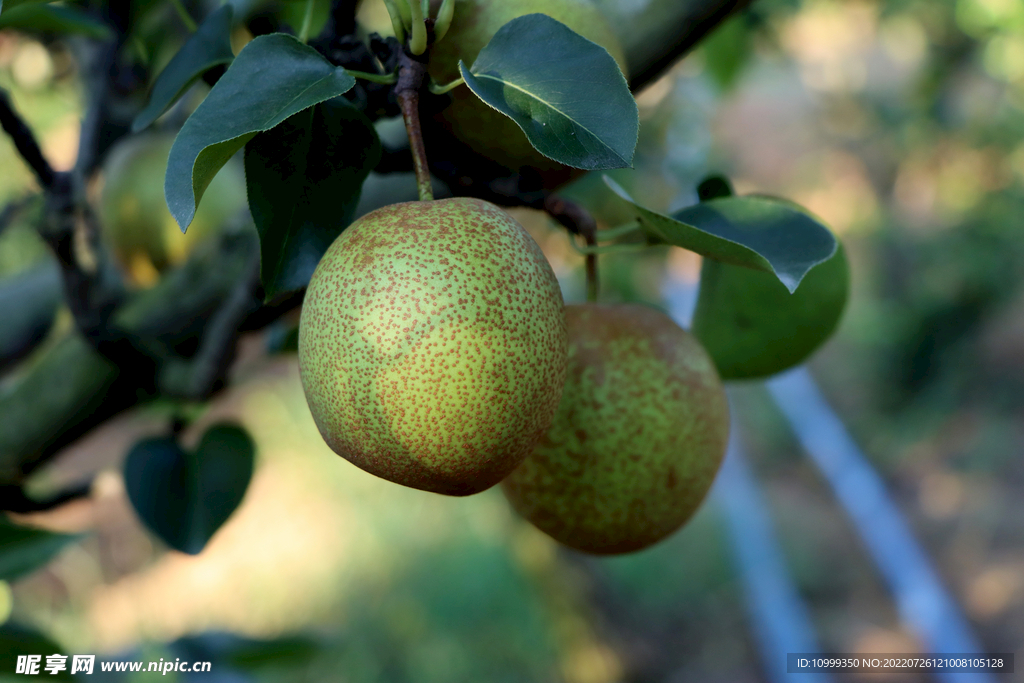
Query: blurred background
x: 901, y: 124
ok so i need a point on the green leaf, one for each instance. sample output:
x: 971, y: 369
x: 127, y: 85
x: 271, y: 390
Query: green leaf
x: 565, y: 92
x: 304, y: 179
x: 24, y: 549
x: 727, y: 51
x: 208, y: 47
x: 763, y: 233
x: 293, y: 12
x: 16, y: 639
x: 753, y: 327
x: 273, y: 78
x: 184, y: 497
x: 8, y: 5
x: 57, y: 19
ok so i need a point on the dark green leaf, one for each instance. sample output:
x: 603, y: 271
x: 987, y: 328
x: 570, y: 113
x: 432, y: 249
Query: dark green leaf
x: 57, y: 19
x: 185, y: 497
x: 24, y: 549
x: 565, y: 92
x: 304, y: 179
x: 763, y: 233
x: 273, y: 78
x: 208, y: 47
x: 16, y: 639
x: 753, y: 327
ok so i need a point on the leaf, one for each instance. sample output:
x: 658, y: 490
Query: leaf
x: 23, y: 549
x: 273, y: 78
x: 754, y: 327
x: 58, y: 19
x: 763, y: 233
x: 208, y: 47
x: 727, y: 51
x: 565, y: 92
x: 8, y: 5
x: 304, y: 179
x: 185, y: 497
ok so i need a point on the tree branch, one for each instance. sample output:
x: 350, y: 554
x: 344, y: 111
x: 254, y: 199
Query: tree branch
x: 72, y: 388
x: 577, y: 220
x: 25, y: 141
x: 656, y: 33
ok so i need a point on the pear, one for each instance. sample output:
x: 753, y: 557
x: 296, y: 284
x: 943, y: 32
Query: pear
x: 432, y: 344
x: 136, y: 223
x: 638, y: 437
x: 472, y: 121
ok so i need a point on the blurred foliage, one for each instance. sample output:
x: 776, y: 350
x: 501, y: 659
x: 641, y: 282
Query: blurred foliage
x: 900, y: 123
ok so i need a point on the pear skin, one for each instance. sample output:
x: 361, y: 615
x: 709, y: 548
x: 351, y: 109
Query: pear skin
x: 638, y: 437
x: 432, y: 344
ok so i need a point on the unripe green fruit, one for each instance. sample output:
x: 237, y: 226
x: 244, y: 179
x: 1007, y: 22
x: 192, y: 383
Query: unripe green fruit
x: 468, y: 118
x: 135, y: 220
x: 638, y: 437
x: 432, y: 344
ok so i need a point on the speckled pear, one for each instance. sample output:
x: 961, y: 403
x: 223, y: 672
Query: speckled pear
x: 638, y: 437
x: 432, y: 344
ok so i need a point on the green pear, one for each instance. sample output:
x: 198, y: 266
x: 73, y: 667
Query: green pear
x: 638, y: 437
x: 475, y: 123
x: 135, y: 221
x: 432, y: 344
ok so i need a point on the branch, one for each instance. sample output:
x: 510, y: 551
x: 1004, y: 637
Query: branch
x: 199, y: 378
x: 657, y: 33
x: 13, y: 498
x: 577, y: 220
x: 25, y: 141
x: 72, y: 388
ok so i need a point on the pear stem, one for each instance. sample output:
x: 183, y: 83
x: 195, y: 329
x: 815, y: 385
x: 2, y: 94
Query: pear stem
x: 438, y: 89
x: 374, y: 78
x: 618, y: 231
x: 579, y: 221
x: 411, y: 75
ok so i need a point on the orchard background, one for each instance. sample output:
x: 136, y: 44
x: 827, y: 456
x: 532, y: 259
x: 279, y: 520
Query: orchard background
x: 895, y: 122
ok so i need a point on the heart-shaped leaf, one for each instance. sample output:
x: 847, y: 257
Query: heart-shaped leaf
x: 273, y: 78
x: 24, y: 549
x: 208, y: 47
x: 763, y: 233
x: 184, y: 497
x: 754, y: 327
x: 565, y: 92
x: 304, y: 179
x: 57, y: 19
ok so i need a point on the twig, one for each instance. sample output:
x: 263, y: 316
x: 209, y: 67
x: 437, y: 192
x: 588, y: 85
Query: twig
x: 14, y: 499
x: 411, y: 74
x: 25, y: 141
x: 198, y: 378
x: 680, y: 27
x: 578, y: 221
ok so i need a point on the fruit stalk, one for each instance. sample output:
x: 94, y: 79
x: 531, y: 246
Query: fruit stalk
x: 411, y: 74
